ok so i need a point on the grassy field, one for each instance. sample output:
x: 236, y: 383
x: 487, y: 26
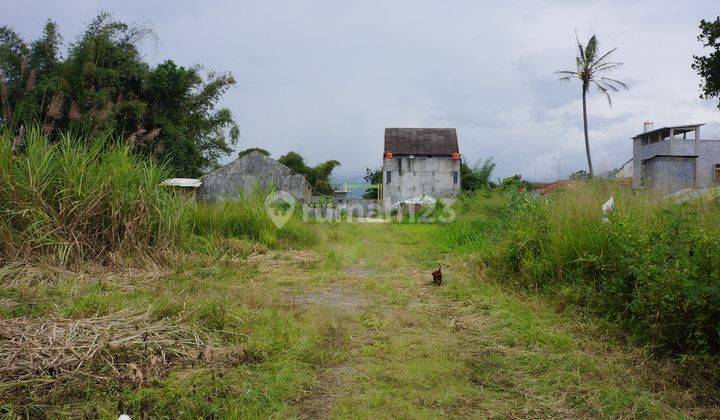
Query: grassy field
x: 345, y: 326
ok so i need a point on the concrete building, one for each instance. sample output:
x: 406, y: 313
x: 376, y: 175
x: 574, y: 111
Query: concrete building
x: 626, y: 170
x: 248, y: 172
x: 419, y: 161
x: 669, y: 159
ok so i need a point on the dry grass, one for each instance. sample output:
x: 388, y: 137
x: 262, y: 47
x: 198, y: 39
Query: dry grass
x: 304, y: 259
x: 124, y: 345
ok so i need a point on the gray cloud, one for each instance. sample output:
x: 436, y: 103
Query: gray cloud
x: 325, y: 77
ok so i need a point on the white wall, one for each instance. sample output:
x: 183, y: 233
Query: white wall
x: 420, y: 175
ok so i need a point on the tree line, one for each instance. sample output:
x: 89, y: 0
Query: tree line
x: 100, y: 85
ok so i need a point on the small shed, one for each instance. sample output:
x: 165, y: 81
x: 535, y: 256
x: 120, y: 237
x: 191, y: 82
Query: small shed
x: 254, y: 170
x: 183, y: 186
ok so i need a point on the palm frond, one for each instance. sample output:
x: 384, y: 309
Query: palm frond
x: 604, y: 91
x: 589, y: 68
x: 566, y: 75
x: 606, y: 67
x: 580, y: 47
x: 608, y: 86
x: 615, y: 81
x: 591, y: 50
x: 599, y: 60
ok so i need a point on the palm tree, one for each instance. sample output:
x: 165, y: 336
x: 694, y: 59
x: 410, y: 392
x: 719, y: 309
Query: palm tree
x: 590, y: 70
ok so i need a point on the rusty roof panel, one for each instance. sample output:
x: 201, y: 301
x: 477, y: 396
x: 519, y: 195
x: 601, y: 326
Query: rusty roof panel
x: 421, y: 141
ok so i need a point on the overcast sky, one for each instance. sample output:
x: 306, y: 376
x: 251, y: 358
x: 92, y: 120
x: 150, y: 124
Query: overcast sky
x: 325, y: 78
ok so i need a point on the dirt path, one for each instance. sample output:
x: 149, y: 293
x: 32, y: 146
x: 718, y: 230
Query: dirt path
x: 464, y: 349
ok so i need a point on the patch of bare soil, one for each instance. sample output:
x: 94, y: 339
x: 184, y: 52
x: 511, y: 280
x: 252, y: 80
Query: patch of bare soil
x: 359, y: 269
x: 340, y: 298
x: 318, y: 403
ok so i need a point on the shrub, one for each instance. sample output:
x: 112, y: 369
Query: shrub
x: 653, y: 269
x: 76, y: 200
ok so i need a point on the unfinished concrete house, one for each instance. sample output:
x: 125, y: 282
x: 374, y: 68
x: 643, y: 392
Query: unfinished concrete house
x: 248, y: 172
x: 669, y: 159
x: 419, y: 162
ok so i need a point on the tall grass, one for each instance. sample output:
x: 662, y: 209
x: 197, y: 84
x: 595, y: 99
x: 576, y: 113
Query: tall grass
x: 92, y: 199
x: 77, y: 200
x: 653, y: 269
x: 247, y: 218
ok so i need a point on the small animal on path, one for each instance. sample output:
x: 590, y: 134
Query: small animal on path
x: 437, y: 276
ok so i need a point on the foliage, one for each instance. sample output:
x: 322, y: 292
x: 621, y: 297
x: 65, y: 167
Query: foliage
x: 275, y: 322
x: 478, y: 176
x: 253, y: 149
x: 169, y: 112
x: 590, y: 67
x: 708, y: 67
x: 318, y: 177
x: 581, y: 174
x: 77, y: 200
x: 374, y: 177
x: 514, y: 183
x: 72, y: 201
x: 247, y: 218
x: 653, y: 269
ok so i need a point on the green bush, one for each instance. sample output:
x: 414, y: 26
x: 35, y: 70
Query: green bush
x: 77, y: 200
x: 653, y: 269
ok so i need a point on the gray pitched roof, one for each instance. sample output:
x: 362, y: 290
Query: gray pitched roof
x: 421, y: 141
x: 253, y: 162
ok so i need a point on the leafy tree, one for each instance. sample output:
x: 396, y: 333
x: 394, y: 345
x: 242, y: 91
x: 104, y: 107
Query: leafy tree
x: 708, y: 67
x: 14, y: 76
x: 372, y: 176
x: 478, y: 176
x: 182, y: 104
x: 318, y: 177
x: 590, y: 67
x: 253, y: 149
x: 168, y: 112
x: 515, y: 182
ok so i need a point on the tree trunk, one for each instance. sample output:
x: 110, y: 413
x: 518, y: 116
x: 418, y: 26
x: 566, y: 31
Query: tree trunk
x: 587, y: 139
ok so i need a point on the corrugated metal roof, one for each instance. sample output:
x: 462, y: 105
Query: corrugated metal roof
x: 421, y: 141
x: 182, y: 182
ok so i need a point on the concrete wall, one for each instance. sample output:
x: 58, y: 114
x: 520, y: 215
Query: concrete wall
x: 419, y: 175
x: 708, y: 152
x: 361, y: 206
x: 668, y: 174
x: 247, y: 172
x: 626, y: 171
